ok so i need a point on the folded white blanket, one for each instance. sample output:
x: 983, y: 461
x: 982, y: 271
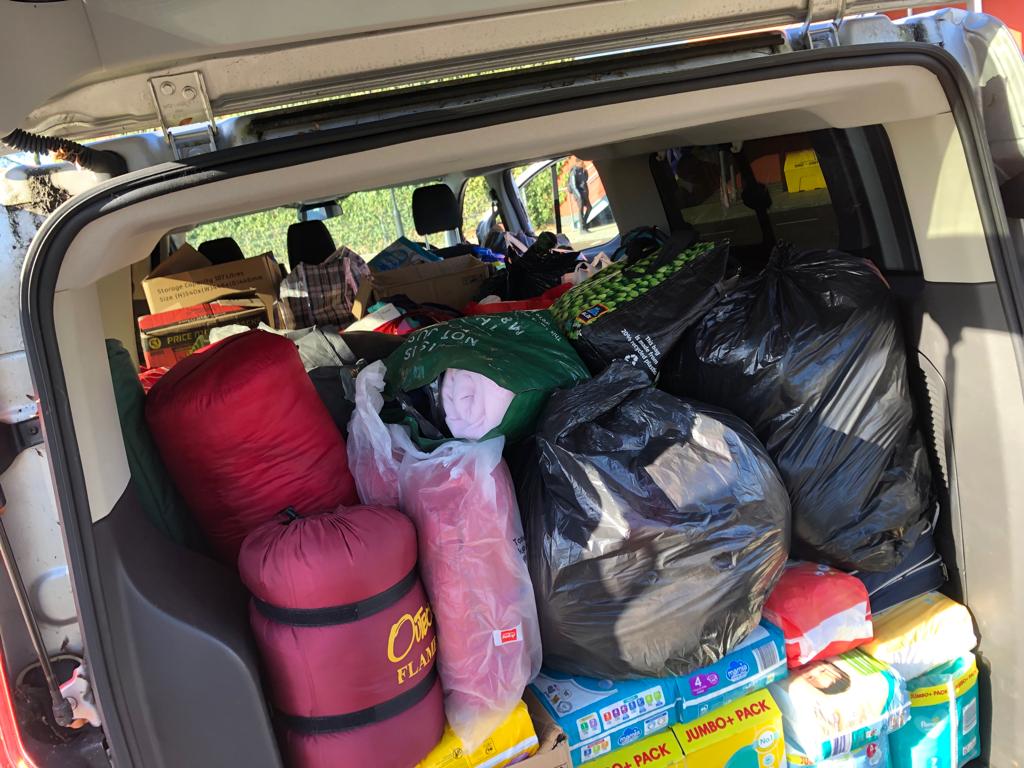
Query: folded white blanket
x: 473, y: 403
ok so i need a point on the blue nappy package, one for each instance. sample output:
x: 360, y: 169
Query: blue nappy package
x: 873, y: 754
x: 752, y: 665
x: 943, y: 727
x: 599, y: 716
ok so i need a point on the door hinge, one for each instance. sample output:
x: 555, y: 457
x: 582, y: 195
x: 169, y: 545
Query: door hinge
x: 181, y: 99
x: 191, y: 142
x: 822, y: 35
x: 15, y: 437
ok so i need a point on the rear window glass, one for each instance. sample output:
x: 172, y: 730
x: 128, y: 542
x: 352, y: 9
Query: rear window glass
x: 368, y: 222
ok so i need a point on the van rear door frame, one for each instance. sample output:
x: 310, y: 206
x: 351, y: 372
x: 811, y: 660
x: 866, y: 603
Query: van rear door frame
x: 45, y: 257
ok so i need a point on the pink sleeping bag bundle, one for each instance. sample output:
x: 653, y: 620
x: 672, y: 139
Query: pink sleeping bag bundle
x: 347, y: 637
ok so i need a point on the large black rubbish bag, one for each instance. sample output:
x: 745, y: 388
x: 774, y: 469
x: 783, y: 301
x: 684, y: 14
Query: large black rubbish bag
x: 810, y: 353
x: 656, y: 527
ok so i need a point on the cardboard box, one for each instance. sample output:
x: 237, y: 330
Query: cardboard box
x: 168, y: 337
x: 187, y: 278
x: 453, y: 282
x: 602, y: 716
x: 744, y: 734
x: 554, y: 746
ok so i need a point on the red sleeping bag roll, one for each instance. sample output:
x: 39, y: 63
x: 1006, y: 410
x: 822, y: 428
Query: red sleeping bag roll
x: 244, y: 435
x: 347, y: 638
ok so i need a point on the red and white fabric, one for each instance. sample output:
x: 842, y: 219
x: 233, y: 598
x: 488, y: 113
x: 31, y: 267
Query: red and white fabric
x: 822, y: 612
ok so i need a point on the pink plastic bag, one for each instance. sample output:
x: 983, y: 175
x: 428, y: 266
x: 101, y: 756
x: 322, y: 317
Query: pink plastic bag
x: 472, y: 561
x: 471, y: 557
x: 373, y: 458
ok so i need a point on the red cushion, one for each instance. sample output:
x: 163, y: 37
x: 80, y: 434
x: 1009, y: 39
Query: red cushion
x: 244, y: 434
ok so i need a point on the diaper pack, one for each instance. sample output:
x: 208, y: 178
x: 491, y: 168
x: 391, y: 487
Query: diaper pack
x: 943, y: 727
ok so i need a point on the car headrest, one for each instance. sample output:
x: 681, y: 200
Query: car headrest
x: 309, y: 242
x: 435, y: 209
x: 221, y: 250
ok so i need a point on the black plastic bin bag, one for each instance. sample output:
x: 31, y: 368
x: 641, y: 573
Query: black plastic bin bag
x: 811, y: 354
x: 656, y: 528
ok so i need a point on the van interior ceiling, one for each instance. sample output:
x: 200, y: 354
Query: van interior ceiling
x: 168, y: 613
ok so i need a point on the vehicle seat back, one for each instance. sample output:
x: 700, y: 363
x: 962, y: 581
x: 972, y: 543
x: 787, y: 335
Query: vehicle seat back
x: 221, y: 250
x: 309, y: 242
x: 435, y: 209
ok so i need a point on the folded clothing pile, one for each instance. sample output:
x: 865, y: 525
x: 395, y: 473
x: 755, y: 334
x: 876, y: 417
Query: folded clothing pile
x: 823, y: 612
x: 832, y: 707
x: 656, y: 529
x: 346, y: 635
x: 810, y: 353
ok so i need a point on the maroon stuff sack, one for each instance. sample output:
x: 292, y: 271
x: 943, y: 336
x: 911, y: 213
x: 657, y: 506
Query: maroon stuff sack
x: 347, y: 638
x: 244, y: 435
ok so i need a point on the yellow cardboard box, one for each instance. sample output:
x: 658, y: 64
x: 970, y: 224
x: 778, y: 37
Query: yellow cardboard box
x: 744, y: 734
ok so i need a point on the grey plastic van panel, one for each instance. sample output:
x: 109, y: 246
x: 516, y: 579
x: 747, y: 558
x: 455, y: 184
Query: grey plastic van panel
x: 179, y: 628
x: 970, y: 365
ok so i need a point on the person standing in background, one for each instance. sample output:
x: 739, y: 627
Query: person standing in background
x: 579, y: 184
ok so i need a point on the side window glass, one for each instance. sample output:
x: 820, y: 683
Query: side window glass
x: 709, y: 187
x: 567, y: 196
x: 477, y: 210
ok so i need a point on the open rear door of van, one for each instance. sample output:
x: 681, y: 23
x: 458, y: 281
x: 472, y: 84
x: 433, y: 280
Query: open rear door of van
x: 105, y: 67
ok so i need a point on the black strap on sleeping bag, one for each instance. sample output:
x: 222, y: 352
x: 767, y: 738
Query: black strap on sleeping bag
x: 338, y: 614
x: 377, y: 713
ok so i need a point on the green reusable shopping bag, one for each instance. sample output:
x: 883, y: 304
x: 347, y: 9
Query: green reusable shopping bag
x: 520, y: 351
